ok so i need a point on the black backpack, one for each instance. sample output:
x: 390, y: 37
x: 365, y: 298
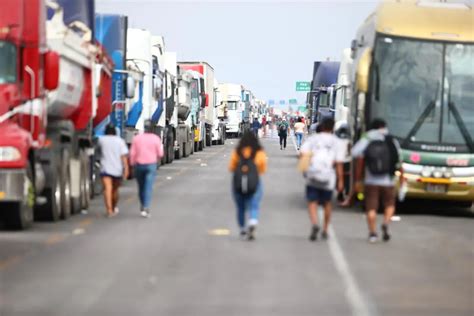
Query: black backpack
x: 381, y: 156
x: 246, y: 176
x: 283, y: 128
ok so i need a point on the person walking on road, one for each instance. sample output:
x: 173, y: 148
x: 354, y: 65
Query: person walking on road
x: 256, y: 126
x: 248, y: 162
x: 114, y: 167
x: 377, y: 153
x: 299, y: 132
x: 321, y: 160
x: 283, y: 128
x: 145, y: 152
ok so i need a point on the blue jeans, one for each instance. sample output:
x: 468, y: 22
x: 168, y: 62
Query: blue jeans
x: 145, y: 175
x: 299, y: 139
x: 251, y: 202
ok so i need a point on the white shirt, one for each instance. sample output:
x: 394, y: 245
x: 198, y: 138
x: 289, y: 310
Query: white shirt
x: 299, y: 127
x: 112, y: 148
x: 337, y: 150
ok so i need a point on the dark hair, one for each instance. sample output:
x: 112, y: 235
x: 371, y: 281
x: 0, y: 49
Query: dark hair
x: 148, y: 126
x: 300, y: 120
x: 110, y: 129
x: 377, y: 123
x: 249, y: 140
x: 327, y: 125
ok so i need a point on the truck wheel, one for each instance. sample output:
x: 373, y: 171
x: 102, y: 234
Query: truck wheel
x: 85, y: 180
x: 65, y: 180
x: 19, y: 215
x: 170, y: 147
x: 50, y: 211
x: 209, y: 139
x: 185, y: 150
x: 179, y: 153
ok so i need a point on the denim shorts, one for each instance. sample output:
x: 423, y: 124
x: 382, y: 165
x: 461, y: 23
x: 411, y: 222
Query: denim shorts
x: 318, y: 195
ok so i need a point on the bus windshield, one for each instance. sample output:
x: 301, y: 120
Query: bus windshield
x: 425, y: 92
x: 7, y: 62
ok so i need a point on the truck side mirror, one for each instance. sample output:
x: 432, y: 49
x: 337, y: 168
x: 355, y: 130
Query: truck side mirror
x: 363, y: 69
x: 130, y: 87
x: 51, y: 74
x: 205, y: 100
x: 353, y: 48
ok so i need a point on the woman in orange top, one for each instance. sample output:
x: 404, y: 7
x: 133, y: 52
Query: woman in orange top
x: 248, y: 148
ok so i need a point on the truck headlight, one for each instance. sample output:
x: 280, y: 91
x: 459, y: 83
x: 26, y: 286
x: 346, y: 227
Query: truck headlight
x: 9, y: 153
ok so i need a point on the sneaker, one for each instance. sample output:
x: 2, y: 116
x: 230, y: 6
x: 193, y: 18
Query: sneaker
x: 243, y: 233
x: 314, y: 233
x: 385, y: 234
x: 324, y: 235
x: 373, y: 238
x: 145, y: 213
x: 251, y: 233
x: 116, y: 210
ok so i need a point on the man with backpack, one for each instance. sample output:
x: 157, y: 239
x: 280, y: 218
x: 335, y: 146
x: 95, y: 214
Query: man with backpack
x: 321, y: 160
x: 283, y: 133
x: 377, y: 153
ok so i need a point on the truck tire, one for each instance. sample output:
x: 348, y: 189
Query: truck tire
x: 65, y: 180
x: 179, y: 153
x: 185, y: 150
x: 85, y: 180
x: 76, y: 201
x: 19, y: 215
x: 170, y: 147
x: 50, y: 211
x: 208, y: 139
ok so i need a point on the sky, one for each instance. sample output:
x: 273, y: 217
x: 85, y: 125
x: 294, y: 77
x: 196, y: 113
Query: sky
x: 266, y: 45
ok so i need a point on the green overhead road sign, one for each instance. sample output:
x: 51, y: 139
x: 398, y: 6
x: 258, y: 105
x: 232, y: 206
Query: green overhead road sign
x: 293, y: 101
x: 303, y: 86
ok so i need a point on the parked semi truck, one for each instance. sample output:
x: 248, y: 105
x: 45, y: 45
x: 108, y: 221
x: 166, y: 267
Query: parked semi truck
x: 111, y: 32
x: 319, y: 98
x: 220, y: 117
x: 414, y: 68
x: 247, y: 101
x: 187, y: 110
x: 341, y: 92
x: 178, y: 105
x: 51, y: 72
x: 210, y: 119
x: 232, y: 99
x: 198, y: 106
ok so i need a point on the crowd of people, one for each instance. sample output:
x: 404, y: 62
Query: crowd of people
x: 321, y: 161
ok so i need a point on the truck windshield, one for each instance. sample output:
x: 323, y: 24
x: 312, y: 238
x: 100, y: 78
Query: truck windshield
x: 231, y: 105
x: 7, y: 62
x: 323, y: 99
x: 194, y: 89
x: 425, y: 91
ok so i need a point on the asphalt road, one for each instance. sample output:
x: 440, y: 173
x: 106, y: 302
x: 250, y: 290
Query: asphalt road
x: 188, y: 260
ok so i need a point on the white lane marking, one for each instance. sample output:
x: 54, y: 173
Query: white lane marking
x: 396, y: 218
x: 354, y: 295
x: 204, y: 165
x: 169, y: 178
x: 78, y: 231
